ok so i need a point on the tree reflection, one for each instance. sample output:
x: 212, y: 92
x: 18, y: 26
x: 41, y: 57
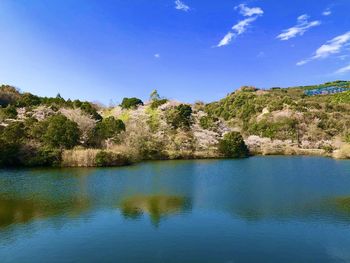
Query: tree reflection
x: 20, y: 210
x: 157, y: 206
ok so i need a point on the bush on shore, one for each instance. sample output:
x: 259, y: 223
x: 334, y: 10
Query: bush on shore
x: 104, y: 158
x: 232, y: 145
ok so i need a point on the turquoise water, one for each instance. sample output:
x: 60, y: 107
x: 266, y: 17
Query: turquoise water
x: 261, y: 209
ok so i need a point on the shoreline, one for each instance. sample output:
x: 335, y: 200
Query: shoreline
x: 175, y: 159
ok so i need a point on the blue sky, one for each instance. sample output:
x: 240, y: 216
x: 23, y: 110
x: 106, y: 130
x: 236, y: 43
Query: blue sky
x: 188, y: 50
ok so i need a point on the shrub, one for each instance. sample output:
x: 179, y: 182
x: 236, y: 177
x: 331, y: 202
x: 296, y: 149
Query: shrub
x: 129, y: 103
x: 61, y: 132
x: 8, y: 95
x: 108, y: 128
x: 232, y: 145
x: 153, y: 120
x: 10, y: 112
x: 28, y: 99
x: 208, y: 122
x: 9, y: 153
x: 104, y: 159
x: 89, y: 109
x: 180, y: 116
x: 111, y: 127
x: 156, y: 103
x: 284, y: 128
x: 13, y: 133
x: 11, y: 138
x: 43, y: 156
x: 343, y: 97
x: 347, y: 138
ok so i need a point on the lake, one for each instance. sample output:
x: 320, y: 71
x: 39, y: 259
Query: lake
x: 260, y: 209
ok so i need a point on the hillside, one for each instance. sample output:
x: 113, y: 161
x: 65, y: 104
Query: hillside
x: 37, y: 131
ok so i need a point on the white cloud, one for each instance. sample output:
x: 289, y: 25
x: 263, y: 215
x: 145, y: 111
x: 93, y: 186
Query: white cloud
x: 331, y: 47
x: 157, y: 55
x: 327, y: 12
x: 226, y: 40
x: 181, y: 6
x: 246, y: 11
x: 343, y: 70
x: 299, y: 29
x: 302, y: 62
x: 241, y: 26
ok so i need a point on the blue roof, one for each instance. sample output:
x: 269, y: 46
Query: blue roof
x: 325, y: 91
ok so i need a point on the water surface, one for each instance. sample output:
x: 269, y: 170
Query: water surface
x: 261, y: 209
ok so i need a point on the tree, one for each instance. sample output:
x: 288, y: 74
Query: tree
x: 111, y: 127
x: 129, y: 103
x: 108, y: 128
x: 61, y: 132
x: 155, y: 99
x: 156, y: 103
x: 8, y: 95
x: 13, y: 133
x: 154, y: 95
x: 89, y: 109
x: 28, y: 99
x: 9, y: 153
x: 11, y: 139
x: 180, y: 116
x: 232, y: 145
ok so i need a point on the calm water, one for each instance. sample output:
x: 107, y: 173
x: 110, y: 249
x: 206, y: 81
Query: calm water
x: 261, y: 209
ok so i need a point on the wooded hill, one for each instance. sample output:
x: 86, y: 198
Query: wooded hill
x: 40, y: 131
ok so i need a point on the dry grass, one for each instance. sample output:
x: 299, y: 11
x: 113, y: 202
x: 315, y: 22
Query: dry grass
x: 343, y: 152
x: 79, y: 158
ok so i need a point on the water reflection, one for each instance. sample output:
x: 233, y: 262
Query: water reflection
x: 253, y: 190
x: 273, y: 208
x: 19, y: 210
x: 157, y: 206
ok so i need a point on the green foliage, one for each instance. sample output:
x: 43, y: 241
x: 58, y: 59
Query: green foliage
x: 8, y: 95
x: 13, y: 133
x: 42, y: 156
x: 11, y: 139
x: 10, y: 112
x: 283, y: 129
x: 241, y: 105
x: 347, y: 138
x: 248, y: 89
x: 208, y: 122
x: 104, y: 158
x: 57, y: 102
x: 180, y: 116
x: 111, y: 127
x: 129, y: 103
x: 60, y: 132
x: 28, y: 100
x: 89, y: 109
x: 154, y: 95
x: 153, y: 119
x: 343, y: 97
x: 9, y: 153
x: 108, y: 128
x: 156, y: 103
x: 232, y: 145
